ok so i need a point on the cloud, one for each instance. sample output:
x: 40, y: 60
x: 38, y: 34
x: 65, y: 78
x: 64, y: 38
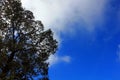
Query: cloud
x: 66, y: 59
x: 57, y: 14
x: 54, y: 59
x: 118, y: 52
x: 60, y: 14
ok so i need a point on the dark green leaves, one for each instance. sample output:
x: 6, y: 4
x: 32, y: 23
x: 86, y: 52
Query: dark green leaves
x: 24, y: 44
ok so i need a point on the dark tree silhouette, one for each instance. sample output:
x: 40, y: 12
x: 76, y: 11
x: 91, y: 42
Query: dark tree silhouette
x: 24, y: 44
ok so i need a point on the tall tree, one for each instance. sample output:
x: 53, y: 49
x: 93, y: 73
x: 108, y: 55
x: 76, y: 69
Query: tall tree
x: 24, y: 44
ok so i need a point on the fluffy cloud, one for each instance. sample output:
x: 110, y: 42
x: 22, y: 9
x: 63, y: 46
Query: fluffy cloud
x: 54, y: 59
x: 56, y: 14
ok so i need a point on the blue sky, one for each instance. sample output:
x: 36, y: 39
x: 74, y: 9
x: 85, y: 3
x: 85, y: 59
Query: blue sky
x: 88, y: 32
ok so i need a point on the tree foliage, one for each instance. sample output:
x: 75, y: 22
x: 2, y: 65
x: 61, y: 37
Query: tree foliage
x: 24, y: 44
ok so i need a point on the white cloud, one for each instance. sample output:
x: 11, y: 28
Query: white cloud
x: 56, y: 14
x: 66, y: 59
x: 54, y: 59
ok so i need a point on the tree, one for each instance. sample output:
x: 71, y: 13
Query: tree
x: 24, y: 44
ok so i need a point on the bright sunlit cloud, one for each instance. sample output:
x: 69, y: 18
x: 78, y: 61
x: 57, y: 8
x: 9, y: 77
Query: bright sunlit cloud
x: 56, y: 14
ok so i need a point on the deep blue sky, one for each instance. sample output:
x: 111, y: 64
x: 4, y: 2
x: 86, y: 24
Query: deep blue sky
x: 93, y: 56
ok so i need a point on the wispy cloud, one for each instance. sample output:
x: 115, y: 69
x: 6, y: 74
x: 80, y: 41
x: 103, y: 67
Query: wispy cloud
x: 56, y: 14
x: 118, y: 53
x: 54, y: 59
x: 66, y: 59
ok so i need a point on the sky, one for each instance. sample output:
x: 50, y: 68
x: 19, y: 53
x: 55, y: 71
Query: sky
x: 88, y: 32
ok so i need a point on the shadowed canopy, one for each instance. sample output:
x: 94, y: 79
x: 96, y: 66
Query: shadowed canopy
x: 24, y: 44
